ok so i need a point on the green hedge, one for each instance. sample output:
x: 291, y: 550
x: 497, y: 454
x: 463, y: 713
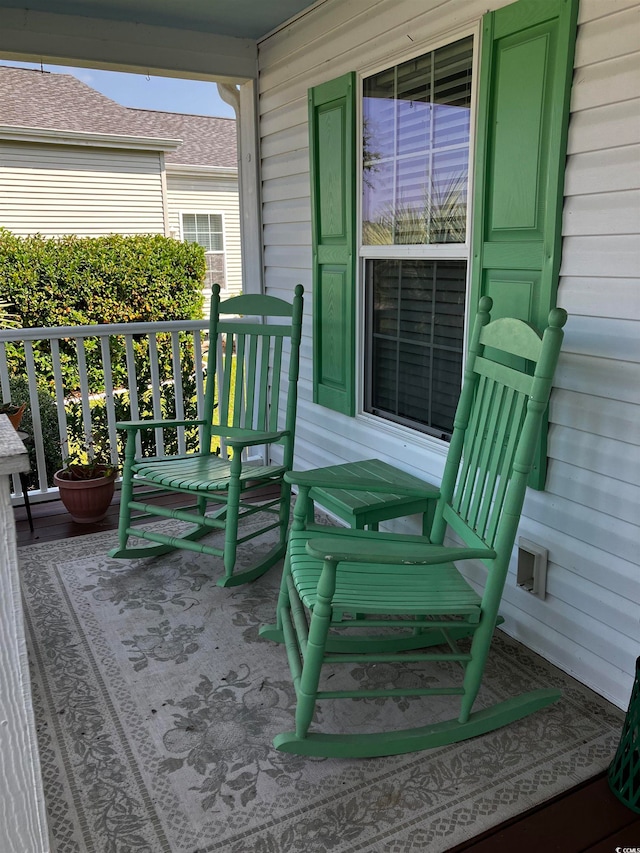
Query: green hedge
x: 80, y: 281
x: 76, y: 281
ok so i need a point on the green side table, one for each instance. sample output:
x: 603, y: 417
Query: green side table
x: 367, y: 509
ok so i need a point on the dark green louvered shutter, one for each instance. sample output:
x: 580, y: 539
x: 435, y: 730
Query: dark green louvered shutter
x: 526, y: 69
x: 332, y: 153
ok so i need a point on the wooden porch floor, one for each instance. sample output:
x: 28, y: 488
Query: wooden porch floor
x: 585, y: 819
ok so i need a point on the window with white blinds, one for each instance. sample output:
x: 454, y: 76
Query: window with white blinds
x: 415, y: 328
x: 204, y: 229
x: 415, y: 158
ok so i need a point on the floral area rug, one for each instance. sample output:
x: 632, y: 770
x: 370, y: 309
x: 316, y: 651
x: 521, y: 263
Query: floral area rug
x: 156, y: 703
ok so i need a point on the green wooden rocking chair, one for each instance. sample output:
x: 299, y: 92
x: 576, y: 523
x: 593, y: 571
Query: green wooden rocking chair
x: 248, y: 387
x: 343, y: 590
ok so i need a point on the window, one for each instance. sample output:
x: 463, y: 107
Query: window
x: 415, y: 171
x: 410, y: 255
x: 204, y: 229
x: 414, y: 340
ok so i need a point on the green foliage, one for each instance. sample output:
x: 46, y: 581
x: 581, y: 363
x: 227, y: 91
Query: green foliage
x: 76, y: 281
x: 80, y: 281
x: 72, y: 281
x: 19, y: 389
x: 88, y: 461
x: 441, y: 218
x: 122, y: 406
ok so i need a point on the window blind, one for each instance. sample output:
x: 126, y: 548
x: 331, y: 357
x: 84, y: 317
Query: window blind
x: 415, y: 336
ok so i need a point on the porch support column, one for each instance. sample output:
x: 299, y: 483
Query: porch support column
x: 22, y: 803
x: 243, y: 99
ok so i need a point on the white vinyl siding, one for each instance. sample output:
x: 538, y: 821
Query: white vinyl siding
x: 588, y: 517
x: 63, y: 189
x: 209, y: 194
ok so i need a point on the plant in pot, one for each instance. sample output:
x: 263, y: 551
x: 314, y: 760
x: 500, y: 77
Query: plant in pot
x: 86, y: 484
x: 14, y: 412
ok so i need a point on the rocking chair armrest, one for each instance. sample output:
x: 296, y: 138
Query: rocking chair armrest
x: 358, y: 483
x: 373, y: 550
x: 149, y: 424
x: 252, y: 438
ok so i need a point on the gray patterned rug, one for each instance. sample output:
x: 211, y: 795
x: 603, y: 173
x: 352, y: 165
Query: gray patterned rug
x: 156, y: 703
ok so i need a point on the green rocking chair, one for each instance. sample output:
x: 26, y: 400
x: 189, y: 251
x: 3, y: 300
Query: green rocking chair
x: 249, y: 390
x: 358, y: 597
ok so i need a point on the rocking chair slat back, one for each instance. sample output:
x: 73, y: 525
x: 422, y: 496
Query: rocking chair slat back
x: 274, y: 385
x: 239, y: 392
x: 252, y: 377
x: 488, y: 458
x: 495, y: 397
x: 249, y: 403
x: 249, y: 377
x: 357, y: 581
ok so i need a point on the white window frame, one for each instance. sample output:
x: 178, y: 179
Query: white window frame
x: 434, y: 251
x: 207, y: 212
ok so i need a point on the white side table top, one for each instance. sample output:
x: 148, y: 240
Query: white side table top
x: 13, y: 454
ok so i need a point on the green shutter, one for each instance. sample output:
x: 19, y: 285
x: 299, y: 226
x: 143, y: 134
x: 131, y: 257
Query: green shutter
x: 332, y: 154
x: 526, y: 68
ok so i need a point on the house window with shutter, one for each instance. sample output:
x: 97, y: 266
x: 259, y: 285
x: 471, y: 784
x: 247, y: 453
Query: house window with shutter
x: 410, y: 254
x: 416, y: 119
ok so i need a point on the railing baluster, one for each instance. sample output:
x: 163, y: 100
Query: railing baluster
x: 109, y: 397
x: 155, y: 390
x: 197, y: 347
x: 16, y: 486
x: 60, y: 407
x: 176, y: 367
x: 4, y: 374
x: 87, y: 426
x: 36, y: 421
x: 78, y: 335
x: 132, y: 381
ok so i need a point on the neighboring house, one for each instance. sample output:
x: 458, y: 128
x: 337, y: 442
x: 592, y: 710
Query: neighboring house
x: 75, y: 162
x: 202, y: 189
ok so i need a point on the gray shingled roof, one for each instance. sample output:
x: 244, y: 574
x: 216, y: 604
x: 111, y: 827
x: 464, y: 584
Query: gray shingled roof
x: 207, y: 141
x: 36, y: 99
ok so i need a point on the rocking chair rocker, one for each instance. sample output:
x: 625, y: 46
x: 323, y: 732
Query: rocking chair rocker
x: 246, y: 377
x: 342, y: 590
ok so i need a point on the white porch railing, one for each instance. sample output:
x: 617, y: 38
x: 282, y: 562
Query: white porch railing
x: 74, y: 349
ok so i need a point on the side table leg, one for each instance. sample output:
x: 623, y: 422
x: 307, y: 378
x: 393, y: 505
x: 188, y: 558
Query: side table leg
x: 25, y: 493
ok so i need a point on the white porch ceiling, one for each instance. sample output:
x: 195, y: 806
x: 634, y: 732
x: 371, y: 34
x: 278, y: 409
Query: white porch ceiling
x: 201, y: 39
x: 245, y: 19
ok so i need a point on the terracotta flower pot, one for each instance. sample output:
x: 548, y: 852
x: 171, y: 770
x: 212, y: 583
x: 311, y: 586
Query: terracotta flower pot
x: 86, y: 500
x: 14, y: 413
